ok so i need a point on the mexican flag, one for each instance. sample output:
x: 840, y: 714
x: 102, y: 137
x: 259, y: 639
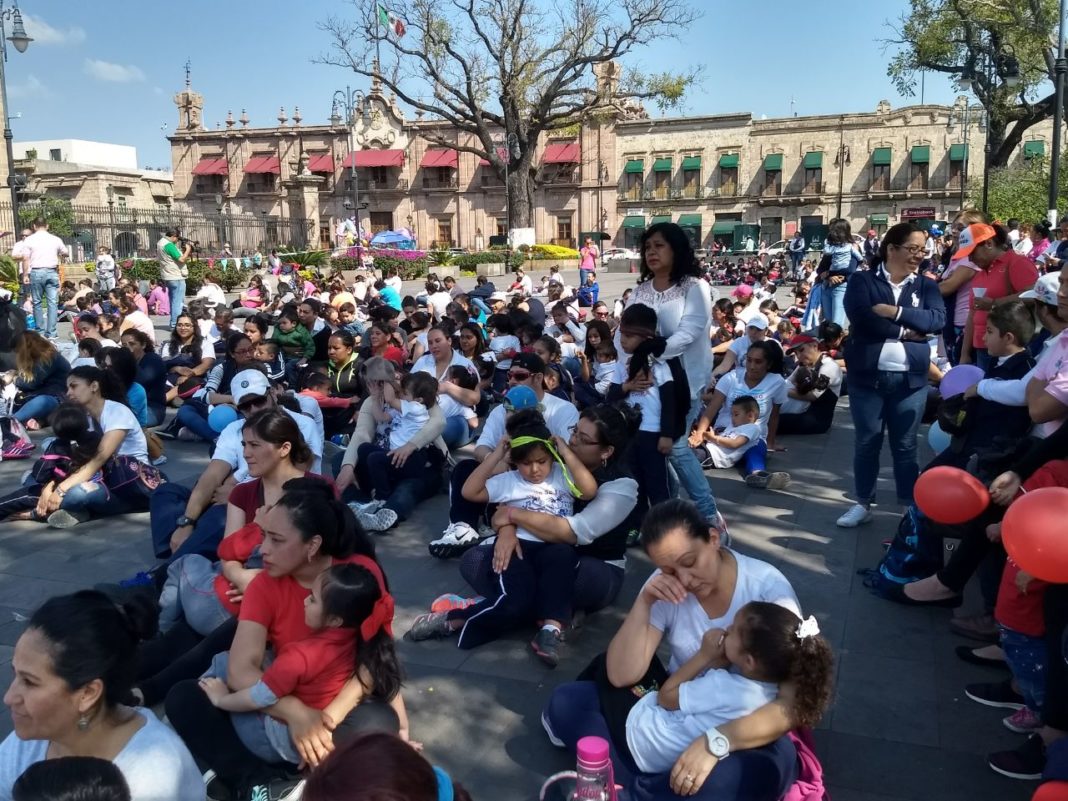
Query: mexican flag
x: 387, y: 19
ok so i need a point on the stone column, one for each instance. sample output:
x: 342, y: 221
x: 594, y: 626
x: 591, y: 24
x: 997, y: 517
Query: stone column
x: 304, y: 203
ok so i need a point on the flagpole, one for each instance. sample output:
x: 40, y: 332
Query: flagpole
x: 378, y: 40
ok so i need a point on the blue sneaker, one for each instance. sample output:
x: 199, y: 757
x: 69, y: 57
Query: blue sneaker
x: 142, y: 579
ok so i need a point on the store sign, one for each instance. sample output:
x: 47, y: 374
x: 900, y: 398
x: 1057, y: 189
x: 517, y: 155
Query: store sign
x: 919, y: 213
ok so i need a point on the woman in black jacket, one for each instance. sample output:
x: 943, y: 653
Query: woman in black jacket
x: 151, y: 373
x: 892, y: 311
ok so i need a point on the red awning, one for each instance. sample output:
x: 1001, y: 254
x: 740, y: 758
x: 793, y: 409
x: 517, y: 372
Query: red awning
x: 263, y: 164
x: 208, y: 166
x: 375, y: 158
x: 439, y: 158
x: 502, y: 154
x: 561, y: 153
x: 323, y: 162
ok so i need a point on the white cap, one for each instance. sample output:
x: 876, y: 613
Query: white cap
x: 499, y: 296
x: 1044, y: 290
x: 248, y: 383
x: 758, y: 321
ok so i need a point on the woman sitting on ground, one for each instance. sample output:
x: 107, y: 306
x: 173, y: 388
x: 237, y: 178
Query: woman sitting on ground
x: 151, y: 373
x: 121, y: 363
x: 40, y: 376
x: 74, y: 666
x: 98, y: 327
x: 134, y: 318
x: 186, y: 358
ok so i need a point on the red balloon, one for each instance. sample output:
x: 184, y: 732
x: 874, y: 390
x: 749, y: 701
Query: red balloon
x: 950, y: 495
x: 1034, y: 533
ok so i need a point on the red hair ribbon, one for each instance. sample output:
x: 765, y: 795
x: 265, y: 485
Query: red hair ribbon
x: 381, y: 617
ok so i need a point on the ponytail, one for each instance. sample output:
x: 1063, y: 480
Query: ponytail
x: 110, y: 388
x: 315, y: 511
x: 813, y: 677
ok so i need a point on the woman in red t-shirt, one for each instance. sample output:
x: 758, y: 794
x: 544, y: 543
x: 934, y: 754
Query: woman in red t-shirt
x: 307, y: 531
x: 1003, y: 275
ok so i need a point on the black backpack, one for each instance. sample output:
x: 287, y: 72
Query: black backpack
x: 914, y: 553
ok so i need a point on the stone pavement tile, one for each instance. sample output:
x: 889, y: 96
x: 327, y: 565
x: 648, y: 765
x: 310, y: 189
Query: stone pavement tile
x: 11, y: 629
x: 911, y: 772
x: 885, y: 698
x: 76, y: 568
x: 877, y: 627
x: 962, y: 723
x: 27, y: 594
x: 848, y: 794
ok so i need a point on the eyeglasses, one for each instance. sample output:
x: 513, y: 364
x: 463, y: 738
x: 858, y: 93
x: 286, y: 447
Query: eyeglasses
x: 912, y: 250
x: 581, y: 439
x: 519, y: 375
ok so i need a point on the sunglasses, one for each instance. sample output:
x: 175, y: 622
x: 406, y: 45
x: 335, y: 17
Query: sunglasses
x: 600, y: 314
x: 251, y: 405
x: 519, y: 375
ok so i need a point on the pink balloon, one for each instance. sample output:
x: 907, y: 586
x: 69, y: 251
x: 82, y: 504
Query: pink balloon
x: 959, y: 379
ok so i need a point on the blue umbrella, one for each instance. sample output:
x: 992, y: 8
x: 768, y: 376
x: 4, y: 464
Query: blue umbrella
x: 392, y: 239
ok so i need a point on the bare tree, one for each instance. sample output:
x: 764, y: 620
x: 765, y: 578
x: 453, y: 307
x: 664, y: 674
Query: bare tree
x: 508, y: 71
x: 955, y: 37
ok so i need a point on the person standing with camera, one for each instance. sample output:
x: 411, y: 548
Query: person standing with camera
x: 172, y: 269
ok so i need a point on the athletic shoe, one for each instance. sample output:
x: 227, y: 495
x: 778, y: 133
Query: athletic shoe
x: 382, y: 520
x: 160, y: 460
x: 19, y: 449
x: 762, y: 479
x: 457, y: 538
x: 62, y: 518
x: 546, y: 645
x: 999, y: 694
x: 170, y: 432
x: 450, y: 601
x: 549, y: 732
x: 1023, y: 721
x: 432, y: 626
x: 1026, y: 762
x: 277, y: 790
x: 187, y: 435
x: 142, y: 579
x: 857, y: 515
x: 367, y: 508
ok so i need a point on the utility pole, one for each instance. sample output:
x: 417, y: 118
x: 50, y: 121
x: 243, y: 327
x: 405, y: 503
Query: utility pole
x: 1060, y: 68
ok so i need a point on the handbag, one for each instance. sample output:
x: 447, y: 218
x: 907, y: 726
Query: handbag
x: 125, y: 472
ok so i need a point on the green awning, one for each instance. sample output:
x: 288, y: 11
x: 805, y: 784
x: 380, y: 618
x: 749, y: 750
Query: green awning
x: 813, y: 161
x: 635, y: 166
x: 1035, y: 149
x: 691, y: 163
x: 958, y: 152
x: 634, y: 221
x: 660, y: 218
x: 879, y: 219
x: 690, y: 220
x: 882, y: 156
x: 773, y: 161
x: 726, y: 227
x: 921, y: 154
x: 662, y: 165
x: 729, y: 161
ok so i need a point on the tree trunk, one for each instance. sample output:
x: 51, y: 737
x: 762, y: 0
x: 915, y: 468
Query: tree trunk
x: 521, y: 196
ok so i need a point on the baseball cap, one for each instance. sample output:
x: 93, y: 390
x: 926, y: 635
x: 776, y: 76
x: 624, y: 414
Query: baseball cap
x: 972, y: 236
x: 799, y: 340
x: 520, y: 397
x: 1044, y: 290
x: 499, y: 296
x: 742, y: 291
x: 248, y: 383
x: 757, y: 321
x: 529, y: 361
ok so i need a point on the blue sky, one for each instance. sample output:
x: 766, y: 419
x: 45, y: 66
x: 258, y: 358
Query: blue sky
x: 108, y: 70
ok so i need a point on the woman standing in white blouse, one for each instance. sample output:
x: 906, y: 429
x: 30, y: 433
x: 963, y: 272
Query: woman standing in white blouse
x: 670, y: 283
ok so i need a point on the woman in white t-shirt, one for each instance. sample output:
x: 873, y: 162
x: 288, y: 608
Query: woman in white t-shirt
x: 699, y: 585
x: 452, y: 396
x: 762, y: 380
x: 120, y: 477
x: 73, y: 663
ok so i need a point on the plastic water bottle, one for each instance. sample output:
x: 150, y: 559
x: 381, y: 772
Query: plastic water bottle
x: 595, y: 781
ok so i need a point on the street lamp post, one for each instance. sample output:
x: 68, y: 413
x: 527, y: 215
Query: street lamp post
x: 509, y: 143
x: 1059, y: 69
x: 843, y: 157
x: 963, y: 114
x: 222, y: 222
x: 351, y: 102
x: 21, y: 41
x: 111, y: 216
x: 988, y: 68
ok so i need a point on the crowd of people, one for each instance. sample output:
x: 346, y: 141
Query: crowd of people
x: 565, y: 431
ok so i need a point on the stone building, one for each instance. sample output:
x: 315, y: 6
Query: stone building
x: 723, y: 177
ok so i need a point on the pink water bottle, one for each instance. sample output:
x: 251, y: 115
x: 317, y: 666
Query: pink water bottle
x: 595, y: 781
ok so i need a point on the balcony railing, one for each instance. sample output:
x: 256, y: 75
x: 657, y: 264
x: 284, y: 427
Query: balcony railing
x: 389, y: 185
x: 771, y: 190
x: 690, y: 193
x: 564, y: 177
x: 439, y: 183
x: 726, y: 190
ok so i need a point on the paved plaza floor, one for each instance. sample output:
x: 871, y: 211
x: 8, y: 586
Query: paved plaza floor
x: 900, y: 727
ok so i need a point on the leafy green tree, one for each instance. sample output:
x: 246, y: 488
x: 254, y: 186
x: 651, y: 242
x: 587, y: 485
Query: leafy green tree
x: 954, y: 37
x: 508, y: 71
x: 1021, y: 192
x: 57, y: 213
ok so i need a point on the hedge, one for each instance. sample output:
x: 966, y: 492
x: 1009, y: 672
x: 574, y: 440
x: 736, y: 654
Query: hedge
x: 148, y: 270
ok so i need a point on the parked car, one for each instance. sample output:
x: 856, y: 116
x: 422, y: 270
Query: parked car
x: 621, y: 254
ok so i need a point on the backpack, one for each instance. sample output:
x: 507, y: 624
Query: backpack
x: 916, y: 552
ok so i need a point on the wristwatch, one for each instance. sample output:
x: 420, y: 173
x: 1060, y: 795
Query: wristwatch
x: 718, y: 745
x: 186, y: 521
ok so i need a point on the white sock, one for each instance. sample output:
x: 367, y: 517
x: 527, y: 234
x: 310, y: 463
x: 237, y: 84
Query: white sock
x: 552, y: 627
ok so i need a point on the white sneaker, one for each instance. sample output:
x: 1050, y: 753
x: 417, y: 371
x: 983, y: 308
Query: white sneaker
x: 187, y: 435
x: 456, y: 539
x: 857, y: 515
x: 160, y: 460
x: 380, y: 520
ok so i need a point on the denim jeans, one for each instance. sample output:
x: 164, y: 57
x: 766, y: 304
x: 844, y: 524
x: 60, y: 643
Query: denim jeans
x: 190, y: 418
x: 45, y: 283
x: 457, y: 432
x: 176, y: 295
x: 1026, y: 657
x: 37, y: 407
x: 189, y: 593
x: 166, y: 506
x: 892, y: 406
x: 688, y: 469
x: 755, y: 459
x: 95, y: 498
x: 832, y: 304
x: 480, y: 304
